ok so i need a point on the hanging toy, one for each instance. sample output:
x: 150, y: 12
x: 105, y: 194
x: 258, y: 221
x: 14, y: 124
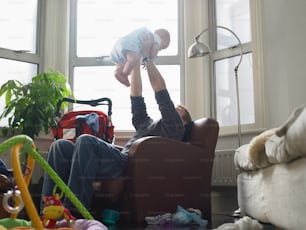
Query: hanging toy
x: 5, y: 186
x: 54, y: 209
x: 12, y: 201
x: 23, y: 144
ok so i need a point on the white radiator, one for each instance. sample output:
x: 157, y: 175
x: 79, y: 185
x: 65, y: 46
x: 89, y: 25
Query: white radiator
x: 224, y: 171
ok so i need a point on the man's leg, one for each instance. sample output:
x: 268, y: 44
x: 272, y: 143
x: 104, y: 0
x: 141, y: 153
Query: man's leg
x: 59, y: 158
x: 92, y: 157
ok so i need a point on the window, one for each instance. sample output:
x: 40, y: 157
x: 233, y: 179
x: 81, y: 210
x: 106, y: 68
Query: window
x: 96, y: 25
x: 20, y: 55
x: 234, y: 15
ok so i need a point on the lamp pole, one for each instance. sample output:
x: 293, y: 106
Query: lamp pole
x: 199, y: 49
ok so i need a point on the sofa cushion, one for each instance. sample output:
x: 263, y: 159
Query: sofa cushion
x: 289, y: 142
x: 252, y: 156
x: 296, y: 136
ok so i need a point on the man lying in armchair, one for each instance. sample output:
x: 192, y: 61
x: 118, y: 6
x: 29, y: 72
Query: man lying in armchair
x: 161, y: 174
x: 80, y: 163
x: 162, y: 170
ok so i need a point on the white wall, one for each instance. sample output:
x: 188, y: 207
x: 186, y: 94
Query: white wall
x: 56, y: 52
x: 197, y: 84
x: 284, y: 58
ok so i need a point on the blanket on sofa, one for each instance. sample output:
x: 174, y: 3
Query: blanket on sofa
x: 277, y: 145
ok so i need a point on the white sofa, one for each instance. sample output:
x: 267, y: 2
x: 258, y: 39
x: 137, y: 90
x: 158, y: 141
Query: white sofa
x: 272, y: 180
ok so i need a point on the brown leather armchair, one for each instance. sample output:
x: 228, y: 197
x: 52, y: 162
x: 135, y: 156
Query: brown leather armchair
x: 161, y: 174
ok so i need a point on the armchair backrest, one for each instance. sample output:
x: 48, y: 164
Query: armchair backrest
x: 204, y: 133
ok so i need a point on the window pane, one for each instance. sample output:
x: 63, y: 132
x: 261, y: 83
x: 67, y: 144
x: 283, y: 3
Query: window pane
x: 235, y: 15
x: 97, y: 82
x: 101, y: 22
x: 226, y: 91
x: 18, y: 23
x: 14, y: 70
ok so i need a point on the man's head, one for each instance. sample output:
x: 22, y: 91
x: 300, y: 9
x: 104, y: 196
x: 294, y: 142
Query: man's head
x: 164, y: 38
x: 184, y: 113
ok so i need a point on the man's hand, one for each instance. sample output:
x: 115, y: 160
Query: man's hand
x: 156, y: 79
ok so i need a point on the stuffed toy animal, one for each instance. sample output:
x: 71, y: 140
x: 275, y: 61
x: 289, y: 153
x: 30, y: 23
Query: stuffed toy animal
x: 53, y: 210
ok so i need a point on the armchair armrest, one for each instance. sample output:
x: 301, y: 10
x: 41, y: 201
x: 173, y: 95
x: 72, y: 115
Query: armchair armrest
x: 157, y: 156
x: 160, y: 150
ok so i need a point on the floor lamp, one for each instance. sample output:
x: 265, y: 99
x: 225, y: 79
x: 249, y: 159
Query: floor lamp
x: 199, y: 49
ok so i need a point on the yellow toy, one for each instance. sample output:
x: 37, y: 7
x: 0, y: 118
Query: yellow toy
x: 53, y: 210
x: 24, y: 144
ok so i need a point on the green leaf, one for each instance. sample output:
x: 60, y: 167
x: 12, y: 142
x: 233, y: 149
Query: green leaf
x: 32, y: 107
x: 8, y: 97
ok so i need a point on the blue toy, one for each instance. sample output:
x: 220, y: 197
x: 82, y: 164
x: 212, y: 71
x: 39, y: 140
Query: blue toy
x: 183, y: 217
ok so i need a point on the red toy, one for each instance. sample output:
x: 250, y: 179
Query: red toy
x: 53, y: 210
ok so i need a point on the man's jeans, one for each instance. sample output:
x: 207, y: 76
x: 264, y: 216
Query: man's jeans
x: 79, y: 163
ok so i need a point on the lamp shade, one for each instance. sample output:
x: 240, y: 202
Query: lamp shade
x: 198, y: 49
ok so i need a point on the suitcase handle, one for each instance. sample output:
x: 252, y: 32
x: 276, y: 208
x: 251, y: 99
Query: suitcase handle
x: 93, y: 103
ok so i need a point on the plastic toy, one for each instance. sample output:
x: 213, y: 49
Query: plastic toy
x: 9, y: 223
x: 53, y: 210
x: 110, y: 216
x: 23, y: 144
x: 183, y: 217
x: 16, y: 196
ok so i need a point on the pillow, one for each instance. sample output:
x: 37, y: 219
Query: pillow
x: 83, y: 224
x: 276, y: 150
x: 273, y: 146
x: 253, y: 156
x: 295, y: 114
x: 257, y: 150
x: 295, y: 137
x: 289, y: 142
x: 241, y: 159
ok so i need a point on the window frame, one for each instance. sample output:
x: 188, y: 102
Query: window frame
x: 75, y: 61
x: 23, y: 56
x: 248, y: 47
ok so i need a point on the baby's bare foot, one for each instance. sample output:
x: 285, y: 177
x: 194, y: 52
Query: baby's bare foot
x: 122, y: 79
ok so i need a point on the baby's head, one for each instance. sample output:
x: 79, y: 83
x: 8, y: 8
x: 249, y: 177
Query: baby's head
x: 164, y: 37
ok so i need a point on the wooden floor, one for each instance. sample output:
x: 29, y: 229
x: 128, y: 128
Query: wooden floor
x: 224, y: 203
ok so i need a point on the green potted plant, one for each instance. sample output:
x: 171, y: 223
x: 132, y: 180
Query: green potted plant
x: 30, y: 108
